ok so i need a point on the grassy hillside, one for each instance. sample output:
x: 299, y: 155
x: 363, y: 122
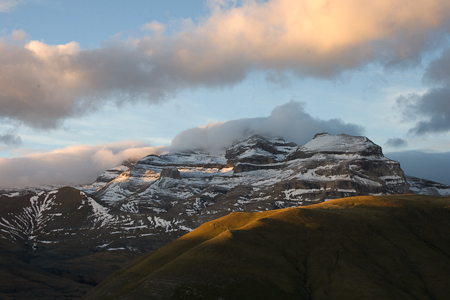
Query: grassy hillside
x: 386, y: 247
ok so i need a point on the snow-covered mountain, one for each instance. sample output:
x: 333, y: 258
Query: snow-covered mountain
x: 255, y: 174
x: 140, y: 206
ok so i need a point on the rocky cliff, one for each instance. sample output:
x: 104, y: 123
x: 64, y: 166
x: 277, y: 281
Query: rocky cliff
x: 255, y: 174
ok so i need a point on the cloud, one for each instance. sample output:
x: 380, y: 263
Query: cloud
x: 82, y: 164
x: 154, y: 26
x: 71, y: 165
x: 396, y: 143
x: 289, y: 121
x: 438, y: 70
x: 428, y: 165
x: 431, y: 109
x: 7, y: 5
x: 10, y: 139
x: 42, y: 85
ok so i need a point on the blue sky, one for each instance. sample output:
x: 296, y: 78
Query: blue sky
x: 85, y: 78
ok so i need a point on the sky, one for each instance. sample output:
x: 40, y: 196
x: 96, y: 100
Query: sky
x: 87, y: 84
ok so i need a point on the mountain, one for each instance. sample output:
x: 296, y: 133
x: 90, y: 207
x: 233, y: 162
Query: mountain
x: 53, y: 241
x: 253, y: 175
x: 427, y: 187
x: 82, y: 234
x: 107, y: 176
x: 370, y: 247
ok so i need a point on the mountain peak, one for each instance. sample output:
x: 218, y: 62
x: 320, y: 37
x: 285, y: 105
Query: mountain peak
x: 342, y: 143
x: 259, y: 149
x: 318, y: 135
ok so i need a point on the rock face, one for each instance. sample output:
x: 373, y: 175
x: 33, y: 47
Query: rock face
x: 253, y: 175
x: 170, y: 172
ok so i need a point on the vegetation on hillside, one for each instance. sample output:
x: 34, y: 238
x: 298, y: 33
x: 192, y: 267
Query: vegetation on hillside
x: 384, y: 247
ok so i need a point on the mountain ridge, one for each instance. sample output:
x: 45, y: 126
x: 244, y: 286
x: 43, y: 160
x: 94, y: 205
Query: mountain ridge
x: 84, y: 233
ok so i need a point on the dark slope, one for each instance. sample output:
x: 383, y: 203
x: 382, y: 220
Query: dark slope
x: 49, y: 245
x: 386, y: 247
x: 19, y: 279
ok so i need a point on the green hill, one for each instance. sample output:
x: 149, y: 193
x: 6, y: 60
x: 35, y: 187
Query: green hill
x: 385, y: 247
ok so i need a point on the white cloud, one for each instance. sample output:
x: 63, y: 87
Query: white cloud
x: 71, y: 165
x: 289, y: 121
x: 18, y: 35
x: 42, y: 85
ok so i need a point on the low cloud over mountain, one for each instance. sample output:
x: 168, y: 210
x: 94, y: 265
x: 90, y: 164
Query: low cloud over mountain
x: 289, y: 121
x: 71, y: 165
x: 82, y: 164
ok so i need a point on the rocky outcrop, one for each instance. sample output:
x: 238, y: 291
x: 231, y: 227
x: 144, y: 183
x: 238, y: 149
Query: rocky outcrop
x: 170, y: 172
x: 258, y: 150
x: 112, y: 173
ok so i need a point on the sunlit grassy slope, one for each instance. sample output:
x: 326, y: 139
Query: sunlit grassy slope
x: 386, y: 247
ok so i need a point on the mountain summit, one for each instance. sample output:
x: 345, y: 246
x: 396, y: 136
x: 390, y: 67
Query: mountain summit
x: 255, y: 174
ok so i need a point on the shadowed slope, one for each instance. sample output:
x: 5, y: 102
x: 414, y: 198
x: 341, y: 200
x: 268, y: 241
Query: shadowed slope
x: 387, y: 247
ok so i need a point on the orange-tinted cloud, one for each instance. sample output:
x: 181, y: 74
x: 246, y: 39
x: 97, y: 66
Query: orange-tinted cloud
x: 315, y: 37
x: 42, y: 85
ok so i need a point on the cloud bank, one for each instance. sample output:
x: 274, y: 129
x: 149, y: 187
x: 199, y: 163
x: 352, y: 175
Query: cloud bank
x: 71, y: 165
x: 432, y: 109
x: 82, y: 164
x: 41, y: 85
x: 289, y: 121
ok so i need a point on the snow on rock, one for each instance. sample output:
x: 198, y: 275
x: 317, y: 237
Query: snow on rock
x: 427, y: 187
x: 341, y: 143
x: 100, y: 213
x: 257, y: 173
